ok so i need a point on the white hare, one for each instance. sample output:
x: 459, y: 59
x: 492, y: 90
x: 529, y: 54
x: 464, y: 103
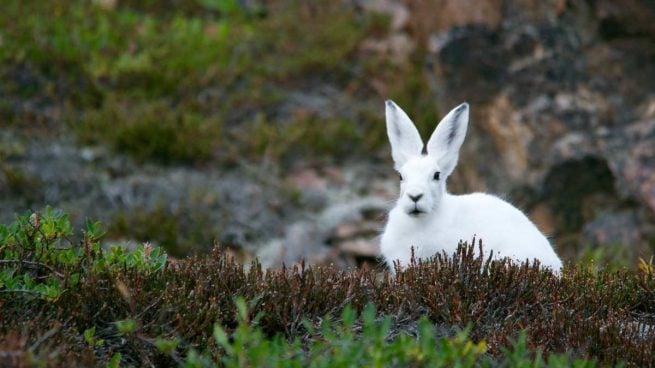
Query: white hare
x: 429, y: 219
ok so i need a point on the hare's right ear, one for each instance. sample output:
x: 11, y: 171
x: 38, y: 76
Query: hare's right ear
x: 448, y: 137
x: 403, y: 135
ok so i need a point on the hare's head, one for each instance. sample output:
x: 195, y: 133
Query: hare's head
x: 424, y: 169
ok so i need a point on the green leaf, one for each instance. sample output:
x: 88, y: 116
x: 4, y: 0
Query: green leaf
x: 166, y: 346
x: 89, y: 334
x: 115, y: 361
x: 227, y: 7
x: 126, y: 326
x: 93, y: 229
x: 242, y: 309
x: 220, y: 336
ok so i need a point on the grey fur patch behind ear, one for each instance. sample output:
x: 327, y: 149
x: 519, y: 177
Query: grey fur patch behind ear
x: 452, y: 133
x: 447, y: 138
x: 397, y: 130
x: 454, y: 127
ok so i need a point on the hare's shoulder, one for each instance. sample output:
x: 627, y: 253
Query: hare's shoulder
x: 485, y: 204
x: 479, y: 199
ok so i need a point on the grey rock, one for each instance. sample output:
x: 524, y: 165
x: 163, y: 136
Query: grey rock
x: 240, y: 207
x: 613, y: 228
x: 314, y: 240
x: 557, y: 101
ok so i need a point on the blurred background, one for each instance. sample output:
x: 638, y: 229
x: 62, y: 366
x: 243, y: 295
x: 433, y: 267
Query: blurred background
x: 259, y: 125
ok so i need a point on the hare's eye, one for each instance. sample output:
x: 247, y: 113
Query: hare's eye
x: 400, y: 176
x: 436, y: 176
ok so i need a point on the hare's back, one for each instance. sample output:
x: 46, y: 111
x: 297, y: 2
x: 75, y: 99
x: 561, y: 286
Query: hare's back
x: 488, y: 210
x: 502, y: 227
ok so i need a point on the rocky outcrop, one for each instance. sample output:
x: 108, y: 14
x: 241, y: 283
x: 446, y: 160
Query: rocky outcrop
x: 234, y: 208
x: 563, y: 113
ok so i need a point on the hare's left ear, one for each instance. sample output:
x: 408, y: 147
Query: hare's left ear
x: 448, y: 137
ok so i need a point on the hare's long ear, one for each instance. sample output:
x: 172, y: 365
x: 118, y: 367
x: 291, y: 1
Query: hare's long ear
x: 448, y: 137
x: 403, y: 135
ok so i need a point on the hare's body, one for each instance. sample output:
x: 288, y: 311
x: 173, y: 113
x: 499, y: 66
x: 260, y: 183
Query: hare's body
x: 430, y: 220
x: 502, y: 228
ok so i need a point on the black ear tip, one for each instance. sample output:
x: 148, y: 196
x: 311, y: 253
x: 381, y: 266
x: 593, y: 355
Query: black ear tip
x: 463, y: 106
x: 390, y: 104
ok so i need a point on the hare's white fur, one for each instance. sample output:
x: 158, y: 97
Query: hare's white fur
x: 430, y: 220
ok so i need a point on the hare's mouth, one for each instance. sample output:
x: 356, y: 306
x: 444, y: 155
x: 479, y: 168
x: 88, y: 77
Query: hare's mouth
x: 415, y: 212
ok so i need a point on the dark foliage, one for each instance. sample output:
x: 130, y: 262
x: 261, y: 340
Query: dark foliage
x: 599, y: 315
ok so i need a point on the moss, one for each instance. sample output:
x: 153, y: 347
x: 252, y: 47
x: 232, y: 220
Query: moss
x: 178, y: 233
x: 308, y: 135
x: 152, y: 130
x: 307, y: 38
x: 215, y: 8
x: 165, y: 84
x: 16, y: 183
x: 145, y: 68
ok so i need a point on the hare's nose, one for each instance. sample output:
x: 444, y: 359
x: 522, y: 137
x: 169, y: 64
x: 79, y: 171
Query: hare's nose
x: 416, y: 197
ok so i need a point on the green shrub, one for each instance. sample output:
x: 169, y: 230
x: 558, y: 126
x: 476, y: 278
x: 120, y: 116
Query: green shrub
x: 40, y: 259
x: 364, y: 341
x: 349, y: 343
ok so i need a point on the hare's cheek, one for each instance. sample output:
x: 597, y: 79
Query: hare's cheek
x: 436, y: 195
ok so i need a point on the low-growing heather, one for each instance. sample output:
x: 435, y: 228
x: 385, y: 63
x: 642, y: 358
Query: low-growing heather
x: 65, y: 299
